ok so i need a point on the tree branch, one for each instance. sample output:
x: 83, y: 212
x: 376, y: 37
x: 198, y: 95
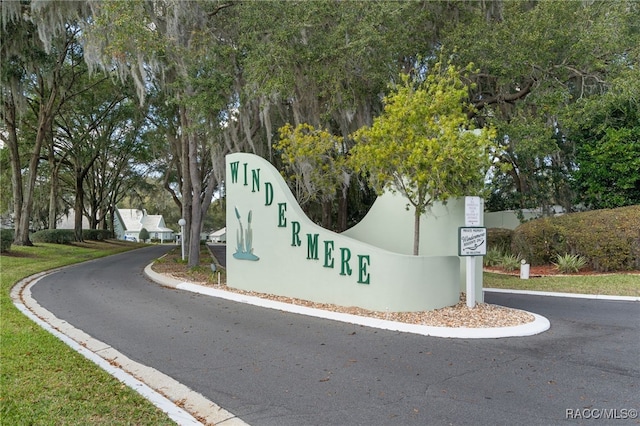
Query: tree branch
x: 219, y: 8
x: 501, y: 97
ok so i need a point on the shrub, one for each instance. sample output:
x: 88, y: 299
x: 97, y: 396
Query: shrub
x: 535, y: 240
x: 96, y: 234
x: 569, y: 263
x: 499, y: 238
x: 6, y: 239
x: 493, y: 257
x: 143, y: 235
x: 55, y: 236
x: 609, y: 239
x: 510, y: 262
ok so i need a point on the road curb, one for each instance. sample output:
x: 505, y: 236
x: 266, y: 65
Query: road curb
x: 569, y: 295
x: 183, y: 405
x: 539, y: 325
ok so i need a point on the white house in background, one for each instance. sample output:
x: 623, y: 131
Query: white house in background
x: 68, y: 221
x: 127, y: 225
x: 131, y: 221
x: 219, y: 236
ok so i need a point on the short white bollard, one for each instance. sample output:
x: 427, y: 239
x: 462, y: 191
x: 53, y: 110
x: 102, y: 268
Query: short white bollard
x: 524, y: 270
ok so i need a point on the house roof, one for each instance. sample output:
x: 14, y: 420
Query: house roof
x: 68, y: 221
x: 135, y: 219
x: 219, y: 232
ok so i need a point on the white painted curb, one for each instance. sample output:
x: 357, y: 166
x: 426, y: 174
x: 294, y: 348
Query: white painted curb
x: 161, y: 390
x: 574, y: 295
x: 539, y: 325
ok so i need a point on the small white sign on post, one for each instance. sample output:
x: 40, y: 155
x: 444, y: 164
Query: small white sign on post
x: 472, y: 211
x: 472, y: 241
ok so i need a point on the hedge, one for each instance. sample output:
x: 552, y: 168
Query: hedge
x: 67, y: 236
x: 6, y: 239
x: 96, y: 234
x: 55, y: 236
x: 609, y: 239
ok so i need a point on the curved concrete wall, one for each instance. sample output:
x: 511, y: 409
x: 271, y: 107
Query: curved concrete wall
x: 389, y: 225
x: 272, y: 247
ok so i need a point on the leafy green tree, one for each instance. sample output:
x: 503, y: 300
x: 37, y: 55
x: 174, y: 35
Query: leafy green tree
x: 606, y: 130
x: 609, y: 170
x: 424, y: 145
x: 179, y: 50
x: 143, y: 235
x: 559, y: 53
x: 122, y: 163
x: 37, y: 77
x: 84, y: 129
x: 314, y: 165
x: 327, y: 64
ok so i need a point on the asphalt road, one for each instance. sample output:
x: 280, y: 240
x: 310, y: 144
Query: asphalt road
x: 275, y: 368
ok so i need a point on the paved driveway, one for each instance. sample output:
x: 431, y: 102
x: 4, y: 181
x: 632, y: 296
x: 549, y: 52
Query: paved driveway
x: 275, y: 368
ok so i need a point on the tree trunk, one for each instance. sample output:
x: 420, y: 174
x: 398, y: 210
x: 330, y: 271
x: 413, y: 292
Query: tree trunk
x: 112, y: 220
x: 78, y: 207
x: 53, y: 195
x: 187, y: 188
x: 196, y: 204
x: 53, y: 190
x: 21, y: 237
x: 416, y: 231
x: 327, y: 207
x: 14, y: 155
x: 342, y: 211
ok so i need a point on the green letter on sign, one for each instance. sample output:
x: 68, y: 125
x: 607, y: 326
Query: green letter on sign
x: 295, y: 231
x: 363, y: 263
x: 268, y: 193
x: 234, y: 171
x: 328, y: 257
x: 312, y: 246
x: 345, y: 257
x: 255, y: 173
x: 282, y: 221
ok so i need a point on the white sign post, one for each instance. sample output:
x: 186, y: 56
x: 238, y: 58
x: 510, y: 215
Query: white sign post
x: 472, y: 242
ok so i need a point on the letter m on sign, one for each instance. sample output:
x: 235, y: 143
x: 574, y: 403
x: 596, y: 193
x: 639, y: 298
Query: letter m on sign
x: 312, y: 246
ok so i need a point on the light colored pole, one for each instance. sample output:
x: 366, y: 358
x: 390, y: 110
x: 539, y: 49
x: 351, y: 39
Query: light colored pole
x: 471, y: 281
x: 182, y: 223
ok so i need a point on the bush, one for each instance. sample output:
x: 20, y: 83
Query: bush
x: 6, y: 239
x: 493, y: 257
x: 510, y: 262
x: 499, y: 239
x: 96, y: 234
x: 55, y: 236
x: 608, y: 239
x: 569, y: 263
x: 143, y: 235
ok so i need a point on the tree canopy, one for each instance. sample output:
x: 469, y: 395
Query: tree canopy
x: 424, y: 145
x: 556, y: 80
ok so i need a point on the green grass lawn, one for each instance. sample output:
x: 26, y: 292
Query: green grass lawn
x: 609, y: 284
x: 42, y: 380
